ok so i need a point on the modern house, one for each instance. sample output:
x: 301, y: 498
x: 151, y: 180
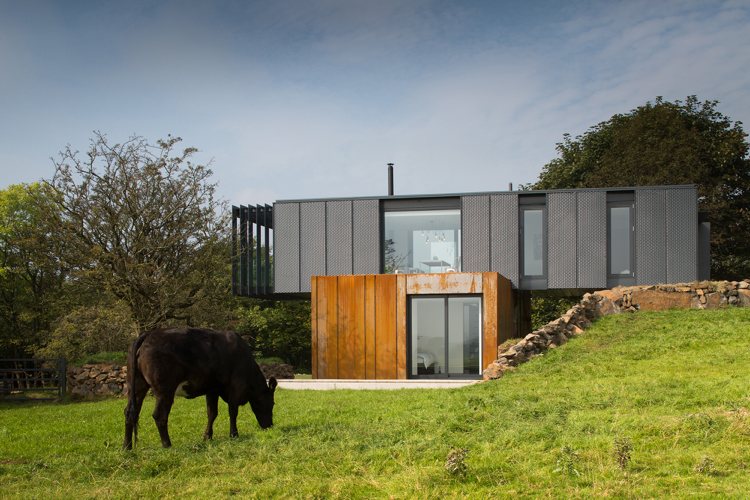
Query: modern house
x: 430, y: 285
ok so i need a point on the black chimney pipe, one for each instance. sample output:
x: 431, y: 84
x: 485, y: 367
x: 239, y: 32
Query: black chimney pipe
x: 390, y: 179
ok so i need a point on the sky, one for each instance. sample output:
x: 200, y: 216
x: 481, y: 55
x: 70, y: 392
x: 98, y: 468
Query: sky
x: 311, y: 99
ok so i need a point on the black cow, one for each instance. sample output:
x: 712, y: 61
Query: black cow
x: 194, y: 362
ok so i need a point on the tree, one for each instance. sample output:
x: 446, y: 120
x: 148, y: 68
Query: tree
x: 141, y: 223
x: 278, y: 329
x: 662, y: 143
x: 31, y: 275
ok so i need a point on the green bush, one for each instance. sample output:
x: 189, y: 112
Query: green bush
x: 90, y: 330
x: 278, y: 329
x: 546, y: 308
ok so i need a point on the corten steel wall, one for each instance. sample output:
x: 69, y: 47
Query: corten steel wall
x: 337, y: 237
x: 359, y: 322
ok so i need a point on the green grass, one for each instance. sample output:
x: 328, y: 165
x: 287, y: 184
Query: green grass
x: 117, y: 357
x: 674, y: 386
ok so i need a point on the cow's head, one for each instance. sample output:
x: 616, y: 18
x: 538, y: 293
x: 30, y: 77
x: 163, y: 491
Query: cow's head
x: 262, y: 404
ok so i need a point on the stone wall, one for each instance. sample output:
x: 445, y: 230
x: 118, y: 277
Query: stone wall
x: 106, y: 379
x: 696, y: 295
x: 101, y: 379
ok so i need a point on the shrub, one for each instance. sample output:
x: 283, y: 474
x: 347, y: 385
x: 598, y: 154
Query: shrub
x: 90, y: 330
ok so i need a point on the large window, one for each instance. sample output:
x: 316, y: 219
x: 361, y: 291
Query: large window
x: 620, y: 239
x: 533, y: 224
x: 422, y: 241
x: 445, y: 333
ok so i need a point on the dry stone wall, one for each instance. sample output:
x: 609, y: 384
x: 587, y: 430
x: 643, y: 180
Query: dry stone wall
x: 696, y: 295
x: 94, y: 380
x: 106, y: 379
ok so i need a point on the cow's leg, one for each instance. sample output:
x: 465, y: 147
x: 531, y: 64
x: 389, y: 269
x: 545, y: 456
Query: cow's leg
x: 133, y: 411
x: 212, y: 409
x: 233, y: 410
x: 161, y: 416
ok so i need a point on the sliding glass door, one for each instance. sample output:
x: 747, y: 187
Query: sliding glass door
x: 445, y: 333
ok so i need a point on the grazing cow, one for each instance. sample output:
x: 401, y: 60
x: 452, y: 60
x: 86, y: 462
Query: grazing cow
x: 193, y: 362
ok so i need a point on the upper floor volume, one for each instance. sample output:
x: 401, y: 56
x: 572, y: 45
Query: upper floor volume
x: 557, y: 239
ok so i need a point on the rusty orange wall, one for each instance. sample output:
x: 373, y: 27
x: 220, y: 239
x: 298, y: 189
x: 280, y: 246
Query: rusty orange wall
x: 359, y: 322
x: 359, y: 326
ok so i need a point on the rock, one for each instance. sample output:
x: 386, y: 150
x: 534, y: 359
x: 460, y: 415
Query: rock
x: 575, y: 330
x: 607, y: 306
x: 655, y: 300
x: 743, y: 285
x: 494, y: 371
x: 715, y: 300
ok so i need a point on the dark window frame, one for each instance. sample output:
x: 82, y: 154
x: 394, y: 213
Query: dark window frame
x: 532, y: 202
x: 621, y: 199
x: 409, y: 341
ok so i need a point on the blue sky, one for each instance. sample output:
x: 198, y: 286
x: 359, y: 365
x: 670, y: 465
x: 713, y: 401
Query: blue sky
x: 303, y: 99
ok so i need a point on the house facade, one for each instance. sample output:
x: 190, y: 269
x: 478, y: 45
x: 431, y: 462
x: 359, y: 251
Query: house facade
x: 430, y: 285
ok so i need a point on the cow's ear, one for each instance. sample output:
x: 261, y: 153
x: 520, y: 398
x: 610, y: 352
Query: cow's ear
x: 272, y: 383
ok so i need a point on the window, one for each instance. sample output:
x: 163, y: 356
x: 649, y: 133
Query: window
x: 620, y: 239
x: 533, y: 233
x: 445, y: 336
x: 421, y: 241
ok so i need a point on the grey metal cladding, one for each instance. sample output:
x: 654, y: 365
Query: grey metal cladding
x: 366, y: 237
x: 312, y: 242
x: 682, y: 235
x: 286, y: 247
x: 561, y: 240
x: 339, y: 237
x: 504, y: 235
x: 592, y: 239
x: 650, y: 237
x: 475, y: 236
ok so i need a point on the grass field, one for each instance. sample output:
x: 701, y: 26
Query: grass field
x: 641, y: 405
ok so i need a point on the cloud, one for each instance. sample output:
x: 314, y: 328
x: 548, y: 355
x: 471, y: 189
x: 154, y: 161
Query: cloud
x: 312, y: 99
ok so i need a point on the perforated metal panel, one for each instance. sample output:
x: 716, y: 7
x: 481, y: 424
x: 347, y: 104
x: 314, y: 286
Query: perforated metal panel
x: 475, y: 236
x: 650, y: 236
x: 286, y: 247
x: 592, y: 239
x: 366, y: 236
x: 561, y: 242
x: 682, y: 235
x: 339, y: 237
x: 504, y: 235
x: 312, y: 242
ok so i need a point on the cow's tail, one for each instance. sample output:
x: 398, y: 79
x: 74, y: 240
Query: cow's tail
x: 132, y: 408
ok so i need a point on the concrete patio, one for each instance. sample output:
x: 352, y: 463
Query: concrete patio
x: 331, y: 384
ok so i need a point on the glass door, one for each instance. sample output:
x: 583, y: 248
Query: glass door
x: 445, y: 336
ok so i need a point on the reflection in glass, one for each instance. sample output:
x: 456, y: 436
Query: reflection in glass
x: 463, y: 335
x: 533, y: 243
x: 422, y: 241
x: 428, y: 335
x: 619, y: 243
x: 430, y: 353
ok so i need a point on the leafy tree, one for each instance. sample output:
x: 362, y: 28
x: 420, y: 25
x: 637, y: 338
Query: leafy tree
x: 140, y: 222
x: 666, y: 142
x: 278, y: 329
x: 31, y: 275
x: 88, y: 330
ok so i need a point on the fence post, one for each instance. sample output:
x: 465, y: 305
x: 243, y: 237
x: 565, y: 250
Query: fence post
x: 62, y: 373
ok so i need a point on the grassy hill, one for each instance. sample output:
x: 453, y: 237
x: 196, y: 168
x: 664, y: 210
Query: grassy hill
x: 641, y: 405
